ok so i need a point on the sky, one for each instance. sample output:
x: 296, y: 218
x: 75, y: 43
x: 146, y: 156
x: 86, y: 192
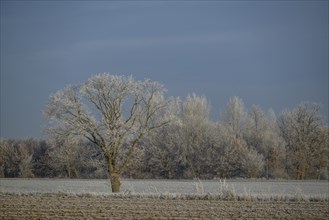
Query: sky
x: 270, y: 53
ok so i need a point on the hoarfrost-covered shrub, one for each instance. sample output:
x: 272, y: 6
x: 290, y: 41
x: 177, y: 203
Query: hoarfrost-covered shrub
x: 253, y: 164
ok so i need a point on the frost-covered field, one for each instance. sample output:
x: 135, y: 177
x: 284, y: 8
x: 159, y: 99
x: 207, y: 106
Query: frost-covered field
x: 308, y: 189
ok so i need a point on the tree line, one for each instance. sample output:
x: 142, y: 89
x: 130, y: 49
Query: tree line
x: 112, y: 126
x: 242, y: 143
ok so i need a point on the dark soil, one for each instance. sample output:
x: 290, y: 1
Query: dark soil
x: 58, y: 206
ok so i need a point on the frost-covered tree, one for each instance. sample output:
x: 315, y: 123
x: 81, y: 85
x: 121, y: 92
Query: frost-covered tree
x: 184, y: 148
x: 261, y: 134
x: 196, y: 134
x: 306, y: 139
x: 234, y: 116
x: 112, y: 112
x: 232, y: 147
x: 16, y: 159
x: 165, y: 157
x: 229, y: 153
x: 252, y: 163
x: 72, y: 157
x: 255, y: 129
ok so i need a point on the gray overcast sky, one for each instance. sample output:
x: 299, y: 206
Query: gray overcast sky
x: 270, y: 53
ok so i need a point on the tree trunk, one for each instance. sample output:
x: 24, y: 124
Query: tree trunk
x: 115, y: 182
x: 114, y: 176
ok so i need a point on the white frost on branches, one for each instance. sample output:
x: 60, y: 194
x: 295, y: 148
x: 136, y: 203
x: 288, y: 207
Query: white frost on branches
x: 110, y: 111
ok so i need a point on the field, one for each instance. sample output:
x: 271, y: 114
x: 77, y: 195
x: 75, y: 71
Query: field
x: 90, y: 199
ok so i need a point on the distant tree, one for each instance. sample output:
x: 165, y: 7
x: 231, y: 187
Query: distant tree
x: 256, y: 125
x: 275, y: 155
x: 252, y: 163
x: 321, y: 158
x: 229, y: 154
x: 303, y: 131
x: 233, y: 147
x: 40, y: 159
x: 261, y: 134
x: 72, y: 157
x: 2, y: 159
x: 197, y: 134
x: 234, y: 116
x: 112, y: 112
x: 165, y: 156
x: 136, y: 167
x: 16, y: 159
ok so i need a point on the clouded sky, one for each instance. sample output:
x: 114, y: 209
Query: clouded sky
x: 270, y: 53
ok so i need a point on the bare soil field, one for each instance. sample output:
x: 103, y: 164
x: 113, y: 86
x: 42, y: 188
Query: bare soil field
x: 64, y: 206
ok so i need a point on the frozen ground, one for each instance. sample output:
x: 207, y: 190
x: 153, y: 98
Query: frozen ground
x: 61, y: 206
x: 88, y: 199
x: 318, y: 189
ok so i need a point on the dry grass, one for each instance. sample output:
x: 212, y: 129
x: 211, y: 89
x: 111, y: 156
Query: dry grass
x: 128, y: 206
